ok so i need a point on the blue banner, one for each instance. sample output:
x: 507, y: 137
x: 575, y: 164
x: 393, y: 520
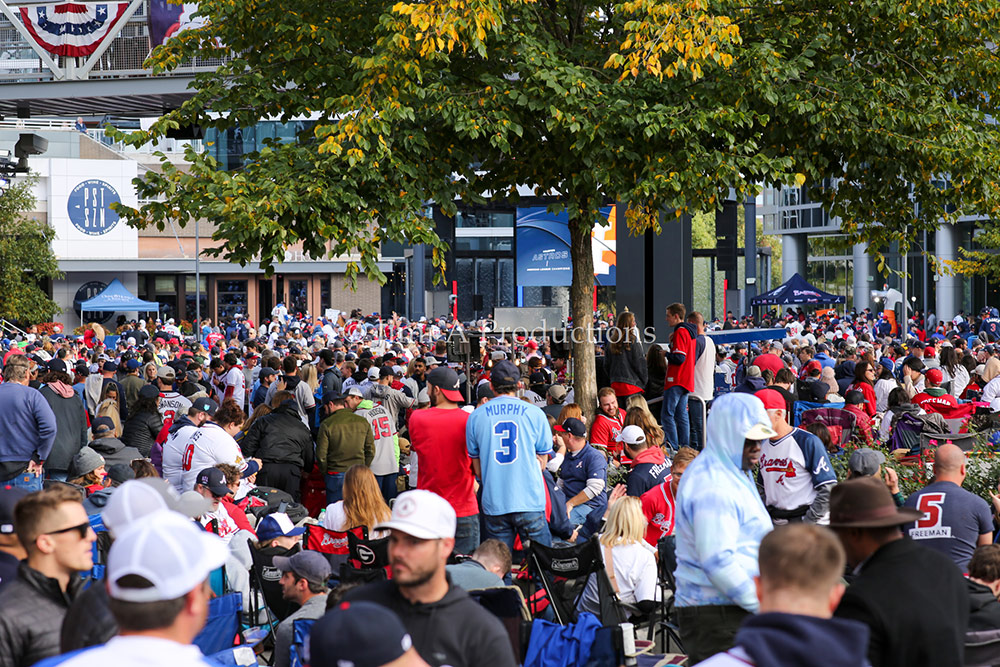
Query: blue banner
x: 543, y: 248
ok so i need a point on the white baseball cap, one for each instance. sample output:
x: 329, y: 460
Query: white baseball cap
x: 169, y: 551
x: 632, y: 435
x: 131, y: 501
x: 421, y: 514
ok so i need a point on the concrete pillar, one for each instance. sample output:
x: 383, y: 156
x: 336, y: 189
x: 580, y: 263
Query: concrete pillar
x: 862, y: 270
x: 949, y: 288
x: 794, y: 255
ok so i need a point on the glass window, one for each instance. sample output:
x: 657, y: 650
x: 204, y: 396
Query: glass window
x: 483, y: 218
x: 489, y: 243
x: 486, y: 284
x: 165, y: 285
x: 324, y: 294
x: 189, y: 284
x: 231, y: 297
x: 506, y: 284
x: 298, y: 296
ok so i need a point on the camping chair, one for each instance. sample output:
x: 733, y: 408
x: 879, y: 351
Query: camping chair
x: 331, y: 543
x: 367, y: 560
x: 265, y: 581
x: 564, y: 572
x: 223, y: 624
x: 905, y: 441
x: 666, y: 563
x: 966, y: 441
x: 798, y: 407
x: 840, y: 423
x: 507, y: 604
x: 99, y: 549
x: 982, y: 648
x: 722, y: 386
x: 300, y: 633
x: 956, y: 417
x: 238, y: 656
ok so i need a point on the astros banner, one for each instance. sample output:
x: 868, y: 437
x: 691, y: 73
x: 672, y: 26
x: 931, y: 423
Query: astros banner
x: 72, y: 29
x: 543, y: 248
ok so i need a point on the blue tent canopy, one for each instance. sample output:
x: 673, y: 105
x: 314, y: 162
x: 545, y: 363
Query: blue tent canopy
x: 116, y: 297
x: 795, y: 290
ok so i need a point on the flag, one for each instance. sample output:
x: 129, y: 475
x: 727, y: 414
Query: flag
x: 72, y: 29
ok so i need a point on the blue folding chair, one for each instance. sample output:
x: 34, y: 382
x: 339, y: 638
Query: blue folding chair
x: 222, y: 626
x: 300, y: 633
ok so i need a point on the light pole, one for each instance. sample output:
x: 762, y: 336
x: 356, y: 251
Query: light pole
x: 197, y: 280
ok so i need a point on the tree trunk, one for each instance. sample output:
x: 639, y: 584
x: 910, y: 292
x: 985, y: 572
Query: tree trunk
x: 581, y: 301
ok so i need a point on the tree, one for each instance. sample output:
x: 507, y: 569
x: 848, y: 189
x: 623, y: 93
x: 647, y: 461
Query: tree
x: 26, y: 257
x: 660, y: 105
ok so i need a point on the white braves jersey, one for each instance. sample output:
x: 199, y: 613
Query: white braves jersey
x: 237, y: 381
x: 383, y: 430
x: 792, y: 468
x: 173, y: 453
x: 206, y: 447
x: 173, y: 406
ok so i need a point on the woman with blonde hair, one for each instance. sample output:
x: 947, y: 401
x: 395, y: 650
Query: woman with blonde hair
x: 645, y: 420
x: 624, y: 360
x: 363, y: 504
x: 628, y: 558
x: 149, y: 371
x: 309, y: 375
x: 571, y: 410
x: 110, y: 406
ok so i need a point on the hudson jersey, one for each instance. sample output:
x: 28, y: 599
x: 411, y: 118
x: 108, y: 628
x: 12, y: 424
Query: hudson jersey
x: 505, y: 435
x: 792, y: 468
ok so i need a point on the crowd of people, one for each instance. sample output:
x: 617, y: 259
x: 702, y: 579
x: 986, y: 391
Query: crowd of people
x: 214, y: 451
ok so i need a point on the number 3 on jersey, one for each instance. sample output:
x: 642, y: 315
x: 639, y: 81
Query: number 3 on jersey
x: 507, y: 451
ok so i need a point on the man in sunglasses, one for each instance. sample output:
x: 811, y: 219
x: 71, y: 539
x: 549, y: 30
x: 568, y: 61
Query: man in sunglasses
x: 53, y: 528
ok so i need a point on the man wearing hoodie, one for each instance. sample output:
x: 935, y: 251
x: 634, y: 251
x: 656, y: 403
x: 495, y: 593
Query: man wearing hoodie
x: 71, y: 419
x: 107, y: 445
x: 394, y: 401
x: 720, y: 520
x: 680, y: 378
x: 447, y: 626
x: 798, y: 588
x: 649, y: 466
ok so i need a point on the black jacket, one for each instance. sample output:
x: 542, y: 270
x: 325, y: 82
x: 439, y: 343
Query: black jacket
x: 141, y: 429
x: 984, y: 609
x: 629, y: 366
x: 31, y: 615
x: 332, y: 381
x: 71, y: 428
x: 88, y: 620
x: 455, y: 630
x: 892, y: 594
x: 280, y: 437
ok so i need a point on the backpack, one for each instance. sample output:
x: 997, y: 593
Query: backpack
x: 905, y: 433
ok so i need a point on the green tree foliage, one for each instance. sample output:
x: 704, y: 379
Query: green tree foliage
x: 26, y: 257
x: 662, y: 105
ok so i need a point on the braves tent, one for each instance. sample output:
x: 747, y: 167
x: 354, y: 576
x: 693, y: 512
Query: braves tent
x: 795, y: 290
x: 116, y: 297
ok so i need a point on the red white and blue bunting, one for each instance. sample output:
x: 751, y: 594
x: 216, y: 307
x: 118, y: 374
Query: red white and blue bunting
x: 72, y: 29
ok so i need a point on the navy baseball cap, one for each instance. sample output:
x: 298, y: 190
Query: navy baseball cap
x: 57, y: 365
x: 574, y: 426
x: 505, y: 374
x: 447, y: 381
x: 149, y: 391
x: 331, y: 395
x: 132, y: 364
x: 360, y: 634
x: 205, y: 405
x: 101, y: 424
x: 9, y: 495
x: 214, y: 480
x: 109, y: 367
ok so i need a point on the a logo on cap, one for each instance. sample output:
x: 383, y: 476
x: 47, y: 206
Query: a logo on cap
x: 405, y: 507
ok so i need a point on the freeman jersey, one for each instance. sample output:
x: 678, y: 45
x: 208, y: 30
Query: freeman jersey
x: 792, y: 468
x: 384, y: 432
x: 208, y: 446
x: 505, y: 434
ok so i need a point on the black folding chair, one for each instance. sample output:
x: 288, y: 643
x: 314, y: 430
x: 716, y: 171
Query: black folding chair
x: 666, y: 564
x: 367, y: 561
x: 564, y: 571
x: 507, y: 604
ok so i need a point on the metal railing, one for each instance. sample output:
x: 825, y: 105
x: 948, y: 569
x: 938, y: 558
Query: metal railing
x: 124, y: 58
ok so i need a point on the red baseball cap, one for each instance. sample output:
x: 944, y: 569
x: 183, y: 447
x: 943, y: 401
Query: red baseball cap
x: 934, y: 376
x: 772, y: 400
x: 929, y: 351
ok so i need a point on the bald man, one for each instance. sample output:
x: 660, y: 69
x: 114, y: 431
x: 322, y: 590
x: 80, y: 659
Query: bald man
x: 955, y: 521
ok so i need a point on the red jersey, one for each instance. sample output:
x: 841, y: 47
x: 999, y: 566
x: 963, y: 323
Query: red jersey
x: 443, y: 465
x: 945, y: 399
x: 658, y: 506
x: 606, y: 429
x: 680, y: 371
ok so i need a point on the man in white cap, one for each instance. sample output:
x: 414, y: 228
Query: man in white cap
x: 447, y: 626
x: 157, y: 579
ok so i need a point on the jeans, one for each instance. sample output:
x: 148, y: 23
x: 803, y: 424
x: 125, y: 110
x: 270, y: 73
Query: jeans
x: 26, y: 480
x: 467, y: 534
x: 334, y: 487
x: 674, y: 417
x: 57, y: 475
x: 387, y: 485
x: 697, y: 420
x: 579, y: 514
x: 709, y: 629
x: 529, y: 525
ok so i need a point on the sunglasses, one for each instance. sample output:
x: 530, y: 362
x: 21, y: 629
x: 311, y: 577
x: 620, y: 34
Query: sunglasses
x: 82, y: 529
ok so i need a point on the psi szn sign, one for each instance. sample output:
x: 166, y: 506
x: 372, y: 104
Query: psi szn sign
x: 89, y: 207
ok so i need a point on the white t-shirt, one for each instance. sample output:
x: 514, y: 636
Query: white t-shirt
x: 336, y: 519
x: 173, y: 453
x: 237, y: 381
x: 227, y: 526
x: 145, y: 651
x: 206, y: 447
x: 173, y: 406
x: 635, y: 574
